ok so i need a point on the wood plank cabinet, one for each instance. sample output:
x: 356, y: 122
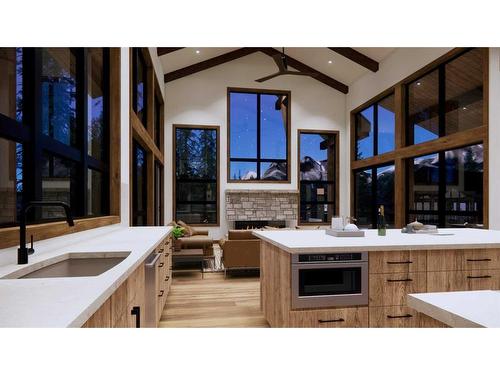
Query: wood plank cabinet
x: 397, y: 261
x: 391, y: 289
x: 126, y: 306
x: 354, y: 317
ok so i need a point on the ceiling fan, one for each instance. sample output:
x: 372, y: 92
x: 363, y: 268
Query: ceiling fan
x: 280, y: 60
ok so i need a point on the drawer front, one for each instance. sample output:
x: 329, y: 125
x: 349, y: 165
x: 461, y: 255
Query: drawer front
x: 354, y: 317
x: 397, y: 261
x: 391, y: 289
x: 454, y: 281
x: 463, y: 260
x: 394, y: 317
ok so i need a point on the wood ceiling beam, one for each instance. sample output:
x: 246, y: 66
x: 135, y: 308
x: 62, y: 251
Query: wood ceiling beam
x: 166, y: 50
x: 301, y: 67
x: 357, y: 57
x: 210, y: 63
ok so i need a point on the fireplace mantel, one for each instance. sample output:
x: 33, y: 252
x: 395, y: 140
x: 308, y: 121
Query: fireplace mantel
x: 246, y: 204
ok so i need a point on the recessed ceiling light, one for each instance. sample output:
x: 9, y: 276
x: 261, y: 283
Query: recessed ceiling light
x: 197, y: 51
x: 464, y: 108
x: 329, y: 61
x: 419, y: 83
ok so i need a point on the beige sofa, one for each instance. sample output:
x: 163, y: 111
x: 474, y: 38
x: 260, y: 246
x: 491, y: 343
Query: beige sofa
x: 194, y: 239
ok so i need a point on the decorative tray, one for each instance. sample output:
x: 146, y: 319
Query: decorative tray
x: 344, y: 233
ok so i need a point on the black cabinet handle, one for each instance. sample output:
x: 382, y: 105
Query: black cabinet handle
x: 330, y: 320
x: 161, y: 293
x: 167, y: 254
x: 479, y: 277
x: 161, y: 265
x: 167, y: 278
x: 479, y: 260
x: 398, y: 280
x: 399, y: 316
x: 402, y: 262
x: 136, y: 310
x: 160, y: 251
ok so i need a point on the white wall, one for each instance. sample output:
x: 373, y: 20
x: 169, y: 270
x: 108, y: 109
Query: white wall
x: 201, y: 99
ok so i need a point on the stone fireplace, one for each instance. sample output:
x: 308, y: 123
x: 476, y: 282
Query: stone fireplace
x: 261, y: 207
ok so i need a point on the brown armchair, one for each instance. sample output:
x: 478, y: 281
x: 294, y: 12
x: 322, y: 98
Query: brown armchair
x: 241, y: 250
x: 194, y: 239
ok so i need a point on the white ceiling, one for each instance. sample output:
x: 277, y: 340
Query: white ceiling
x: 340, y: 68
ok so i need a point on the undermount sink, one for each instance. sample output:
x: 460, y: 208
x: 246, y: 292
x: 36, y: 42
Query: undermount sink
x: 71, y: 265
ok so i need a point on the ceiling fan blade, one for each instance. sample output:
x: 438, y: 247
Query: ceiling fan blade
x: 278, y: 59
x: 269, y: 77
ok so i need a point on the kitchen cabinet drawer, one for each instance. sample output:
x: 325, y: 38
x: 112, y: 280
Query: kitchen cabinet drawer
x: 101, y: 318
x: 394, y: 317
x: 397, y: 261
x: 452, y: 281
x: 354, y: 317
x: 463, y: 260
x: 427, y: 322
x: 391, y: 289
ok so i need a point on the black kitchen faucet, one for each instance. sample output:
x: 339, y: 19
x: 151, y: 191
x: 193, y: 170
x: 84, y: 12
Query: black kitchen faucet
x: 23, y: 252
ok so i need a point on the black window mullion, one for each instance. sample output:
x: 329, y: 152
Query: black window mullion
x: 442, y: 190
x: 375, y: 129
x: 374, y: 197
x: 34, y: 160
x: 258, y: 137
x: 82, y: 119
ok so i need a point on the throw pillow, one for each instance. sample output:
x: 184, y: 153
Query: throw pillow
x: 188, y: 231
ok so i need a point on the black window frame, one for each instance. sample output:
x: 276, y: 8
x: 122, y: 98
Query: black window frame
x: 374, y: 188
x: 375, y: 106
x: 138, y: 56
x: 441, y: 69
x: 258, y: 160
x: 216, y: 180
x: 335, y: 173
x: 30, y: 134
x: 144, y: 197
x: 441, y: 212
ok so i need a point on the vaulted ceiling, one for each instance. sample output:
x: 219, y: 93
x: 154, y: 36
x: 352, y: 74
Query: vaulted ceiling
x: 334, y: 66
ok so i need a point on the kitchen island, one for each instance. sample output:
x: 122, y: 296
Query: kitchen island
x: 372, y: 275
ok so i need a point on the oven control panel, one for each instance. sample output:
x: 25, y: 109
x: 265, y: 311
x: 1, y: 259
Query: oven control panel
x: 337, y: 257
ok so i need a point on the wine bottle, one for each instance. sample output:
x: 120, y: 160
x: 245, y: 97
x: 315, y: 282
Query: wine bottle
x: 381, y: 221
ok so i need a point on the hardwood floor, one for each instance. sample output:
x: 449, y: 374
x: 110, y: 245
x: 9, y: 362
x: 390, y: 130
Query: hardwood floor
x: 213, y: 302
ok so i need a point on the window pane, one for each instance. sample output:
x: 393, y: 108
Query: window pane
x: 243, y: 170
x: 158, y: 135
x: 196, y: 175
x: 364, y: 133
x: 59, y: 95
x: 95, y: 193
x: 386, y: 125
x: 59, y: 183
x: 423, y: 186
x: 273, y: 171
x: 273, y: 119
x: 317, y: 177
x: 139, y: 186
x: 464, y: 185
x: 385, y: 191
x: 243, y: 122
x: 96, y: 103
x: 363, y: 198
x: 11, y: 83
x: 140, y: 88
x: 11, y: 181
x: 423, y: 108
x: 464, y: 92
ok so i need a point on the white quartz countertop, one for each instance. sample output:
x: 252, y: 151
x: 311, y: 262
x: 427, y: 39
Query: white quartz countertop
x: 309, y: 241
x: 479, y: 308
x: 70, y: 301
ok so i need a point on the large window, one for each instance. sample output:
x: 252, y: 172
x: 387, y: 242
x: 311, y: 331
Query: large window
x: 196, y: 183
x: 318, y: 152
x: 259, y: 133
x: 375, y: 129
x: 374, y: 187
x: 447, y: 100
x: 446, y: 188
x: 54, y: 127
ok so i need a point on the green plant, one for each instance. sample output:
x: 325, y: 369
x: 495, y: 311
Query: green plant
x: 178, y: 232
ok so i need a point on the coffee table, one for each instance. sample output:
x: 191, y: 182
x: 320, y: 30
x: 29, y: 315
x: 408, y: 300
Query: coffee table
x: 189, y: 256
